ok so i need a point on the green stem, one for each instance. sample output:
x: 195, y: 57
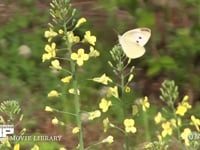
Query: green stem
x: 178, y: 128
x: 177, y: 125
x: 146, y: 126
x: 77, y: 112
x: 76, y: 98
x: 124, y: 109
x: 95, y: 144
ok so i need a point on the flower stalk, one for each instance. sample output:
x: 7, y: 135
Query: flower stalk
x: 76, y: 98
x: 119, y: 69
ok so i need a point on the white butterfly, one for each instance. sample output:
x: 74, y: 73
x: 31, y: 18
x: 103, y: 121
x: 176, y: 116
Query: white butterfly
x: 132, y: 42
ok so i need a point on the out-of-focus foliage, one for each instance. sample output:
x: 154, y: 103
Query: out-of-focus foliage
x: 173, y: 51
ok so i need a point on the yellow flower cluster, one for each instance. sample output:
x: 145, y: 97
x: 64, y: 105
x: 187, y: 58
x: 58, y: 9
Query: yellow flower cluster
x: 75, y: 130
x: 145, y: 103
x: 108, y: 140
x: 104, y: 104
x: 49, y: 109
x: 17, y: 146
x: 53, y: 93
x: 102, y: 79
x: 66, y: 79
x: 184, y: 136
x: 80, y: 21
x: 91, y: 39
x: 93, y: 52
x: 55, y: 121
x: 35, y: 147
x: 50, y: 34
x: 129, y: 125
x: 183, y: 106
x: 55, y: 65
x: 158, y: 118
x: 94, y: 114
x: 106, y: 124
x: 112, y: 91
x: 73, y: 91
x: 195, y: 122
x: 167, y: 129
x: 50, y: 52
x: 80, y: 57
x: 72, y: 38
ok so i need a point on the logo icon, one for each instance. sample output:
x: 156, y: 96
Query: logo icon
x: 6, y: 130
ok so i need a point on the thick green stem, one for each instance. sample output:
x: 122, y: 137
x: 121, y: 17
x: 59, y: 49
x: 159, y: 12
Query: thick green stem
x: 124, y: 109
x: 146, y: 126
x: 76, y: 99
x: 77, y: 112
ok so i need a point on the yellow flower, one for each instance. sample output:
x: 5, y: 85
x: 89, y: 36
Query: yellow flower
x: 50, y: 34
x: 46, y: 56
x: 75, y: 130
x: 72, y: 91
x: 47, y: 108
x: 127, y: 89
x: 167, y: 129
x: 160, y: 138
x: 109, y: 139
x: 66, y: 79
x: 103, y: 79
x: 158, y: 118
x: 94, y: 114
x: 130, y: 78
x: 104, y: 105
x: 53, y: 93
x: 62, y: 148
x: 113, y: 91
x: 54, y: 121
x: 61, y: 123
x: 35, y: 147
x: 17, y: 146
x: 129, y: 125
x: 106, y: 124
x: 51, y: 52
x: 195, y: 122
x: 181, y: 110
x: 175, y: 123
x: 80, y: 57
x: 89, y: 38
x: 185, y: 98
x: 80, y: 21
x: 149, y: 145
x: 93, y: 52
x: 72, y: 38
x: 183, y: 106
x: 56, y: 65
x: 184, y: 136
x: 134, y: 109
x: 145, y: 103
x: 51, y: 49
x: 60, y: 31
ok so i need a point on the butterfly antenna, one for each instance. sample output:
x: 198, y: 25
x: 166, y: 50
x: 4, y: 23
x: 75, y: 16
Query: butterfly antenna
x: 116, y: 31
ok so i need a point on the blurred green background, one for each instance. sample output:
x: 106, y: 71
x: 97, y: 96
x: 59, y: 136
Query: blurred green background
x: 173, y: 51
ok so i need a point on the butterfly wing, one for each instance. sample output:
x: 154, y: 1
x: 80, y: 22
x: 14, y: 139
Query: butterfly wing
x: 131, y: 49
x: 138, y: 35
